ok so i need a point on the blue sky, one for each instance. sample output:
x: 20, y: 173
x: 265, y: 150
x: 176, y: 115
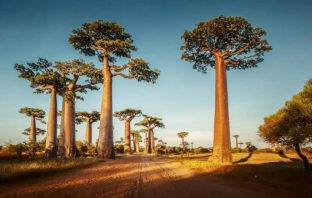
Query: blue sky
x: 183, y: 97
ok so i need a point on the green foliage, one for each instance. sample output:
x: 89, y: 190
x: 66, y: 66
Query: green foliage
x: 18, y: 149
x: 200, y: 150
x: 100, y: 34
x: 151, y: 122
x: 292, y: 124
x: 119, y: 148
x: 234, y: 38
x: 183, y: 134
x: 38, y: 131
x: 36, y: 112
x: 128, y: 114
x: 42, y: 76
x: 83, y: 116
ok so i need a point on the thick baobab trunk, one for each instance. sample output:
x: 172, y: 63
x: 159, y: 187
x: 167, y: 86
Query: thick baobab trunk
x: 305, y: 161
x: 88, y: 133
x: 51, y: 147
x: 134, y: 143
x: 221, y: 142
x: 69, y: 129
x: 149, y: 141
x: 32, y: 131
x: 61, y: 143
x: 127, y: 146
x: 105, y: 148
x: 153, y: 141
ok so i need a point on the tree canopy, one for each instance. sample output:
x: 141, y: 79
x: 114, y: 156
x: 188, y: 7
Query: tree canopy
x: 82, y: 116
x: 232, y: 38
x: 182, y: 134
x: 36, y: 112
x: 151, y: 122
x: 38, y: 131
x: 128, y: 114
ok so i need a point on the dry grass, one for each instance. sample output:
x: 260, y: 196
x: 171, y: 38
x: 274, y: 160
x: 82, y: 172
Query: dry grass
x: 269, y: 169
x: 23, y: 168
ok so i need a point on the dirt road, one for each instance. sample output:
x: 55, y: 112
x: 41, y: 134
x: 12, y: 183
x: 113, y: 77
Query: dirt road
x: 132, y: 176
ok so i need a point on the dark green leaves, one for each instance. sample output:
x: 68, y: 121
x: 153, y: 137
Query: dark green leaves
x: 232, y: 37
x: 128, y: 114
x: 108, y: 36
x: 84, y: 116
x: 36, y: 112
x: 151, y: 122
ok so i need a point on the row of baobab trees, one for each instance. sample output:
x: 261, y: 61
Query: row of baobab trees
x: 222, y: 43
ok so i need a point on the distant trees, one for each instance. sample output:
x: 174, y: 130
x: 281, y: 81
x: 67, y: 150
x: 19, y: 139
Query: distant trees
x: 223, y: 43
x: 43, y: 77
x: 34, y: 114
x: 89, y: 119
x: 236, y: 140
x: 150, y: 123
x: 292, y: 124
x: 127, y: 115
x: 183, y: 135
x: 109, y: 41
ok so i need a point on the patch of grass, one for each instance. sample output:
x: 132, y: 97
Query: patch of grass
x: 269, y: 169
x: 15, y: 168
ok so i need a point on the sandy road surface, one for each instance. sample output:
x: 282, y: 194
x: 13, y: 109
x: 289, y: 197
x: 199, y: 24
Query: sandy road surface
x: 131, y: 176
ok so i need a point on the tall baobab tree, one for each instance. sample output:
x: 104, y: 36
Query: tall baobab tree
x: 109, y: 41
x: 223, y: 43
x: 183, y: 135
x: 145, y: 131
x: 74, y: 70
x: 150, y: 123
x: 45, y: 79
x: 89, y: 119
x: 236, y: 140
x: 127, y: 115
x: 34, y: 114
x: 136, y: 139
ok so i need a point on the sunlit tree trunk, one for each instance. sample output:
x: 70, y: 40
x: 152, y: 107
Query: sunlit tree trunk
x: 88, y: 132
x: 61, y: 147
x: 134, y: 143
x: 32, y: 131
x: 69, y: 129
x: 221, y: 142
x: 51, y: 148
x: 137, y: 146
x: 127, y: 146
x: 146, y: 143
x: 149, y: 141
x: 152, y: 141
x: 105, y: 147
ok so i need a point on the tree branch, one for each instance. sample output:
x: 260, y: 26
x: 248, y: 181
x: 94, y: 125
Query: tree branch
x: 239, y: 50
x: 122, y: 75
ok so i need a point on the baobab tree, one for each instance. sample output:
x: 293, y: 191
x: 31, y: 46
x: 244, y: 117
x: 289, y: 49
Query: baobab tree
x: 145, y: 131
x: 34, y: 114
x: 109, y: 41
x: 89, y: 119
x: 223, y: 43
x: 73, y: 70
x: 240, y: 145
x: 236, y: 140
x: 150, y: 123
x: 136, y: 139
x: 127, y: 115
x: 183, y: 135
x: 45, y: 79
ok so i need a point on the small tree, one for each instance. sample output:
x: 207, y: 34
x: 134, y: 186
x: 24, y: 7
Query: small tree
x: 183, y: 135
x: 150, y: 123
x: 44, y: 78
x: 236, y: 140
x: 223, y: 43
x: 108, y: 41
x: 89, y: 119
x: 127, y: 115
x: 292, y: 124
x: 34, y: 114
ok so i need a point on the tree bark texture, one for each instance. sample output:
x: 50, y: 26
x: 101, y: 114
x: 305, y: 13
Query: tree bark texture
x: 32, y: 131
x: 61, y: 143
x: 127, y: 146
x: 69, y: 129
x: 88, y: 132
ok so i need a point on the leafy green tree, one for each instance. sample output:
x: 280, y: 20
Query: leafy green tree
x: 34, y: 114
x: 127, y: 115
x: 183, y: 135
x: 89, y: 119
x: 292, y: 124
x: 74, y: 70
x: 109, y: 41
x: 44, y: 78
x: 150, y: 123
x: 223, y: 43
